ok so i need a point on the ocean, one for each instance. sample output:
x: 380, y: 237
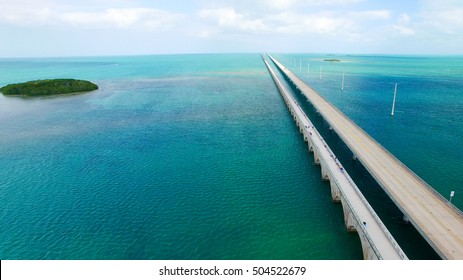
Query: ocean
x: 196, y: 157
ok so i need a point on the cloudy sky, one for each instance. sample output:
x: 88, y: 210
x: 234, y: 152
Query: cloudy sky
x: 126, y: 27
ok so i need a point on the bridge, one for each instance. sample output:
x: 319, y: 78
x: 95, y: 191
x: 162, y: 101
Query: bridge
x: 438, y: 221
x: 359, y: 216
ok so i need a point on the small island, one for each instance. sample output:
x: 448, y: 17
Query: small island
x: 332, y: 60
x: 48, y: 87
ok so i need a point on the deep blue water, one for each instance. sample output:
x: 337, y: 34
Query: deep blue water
x: 197, y: 157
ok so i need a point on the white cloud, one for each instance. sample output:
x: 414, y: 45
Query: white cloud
x: 25, y: 12
x: 46, y: 13
x: 446, y: 21
x: 324, y: 25
x: 403, y: 30
x: 230, y: 19
x: 370, y: 14
x: 122, y: 18
x: 293, y: 23
x: 334, y: 24
x: 444, y: 16
x: 328, y: 2
x: 403, y: 25
x: 227, y: 19
x: 280, y: 5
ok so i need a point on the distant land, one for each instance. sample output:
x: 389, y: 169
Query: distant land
x: 332, y: 60
x: 48, y: 87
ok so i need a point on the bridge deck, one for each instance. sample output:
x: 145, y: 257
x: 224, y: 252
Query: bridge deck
x: 439, y: 223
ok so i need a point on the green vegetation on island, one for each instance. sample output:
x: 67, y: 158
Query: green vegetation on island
x: 48, y: 87
x: 333, y: 60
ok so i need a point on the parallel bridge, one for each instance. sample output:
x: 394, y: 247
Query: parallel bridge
x: 438, y: 221
x: 359, y: 216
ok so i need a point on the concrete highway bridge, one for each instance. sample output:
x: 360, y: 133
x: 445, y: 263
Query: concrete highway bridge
x: 438, y: 221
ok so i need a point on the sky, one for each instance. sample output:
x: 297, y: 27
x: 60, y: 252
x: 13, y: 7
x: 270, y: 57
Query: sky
x: 47, y: 28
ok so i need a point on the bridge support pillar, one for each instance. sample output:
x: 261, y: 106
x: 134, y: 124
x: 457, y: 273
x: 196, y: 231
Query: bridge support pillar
x: 307, y: 134
x: 325, y: 174
x: 368, y: 252
x: 310, y: 144
x: 335, y: 192
x: 316, y: 157
x: 349, y: 220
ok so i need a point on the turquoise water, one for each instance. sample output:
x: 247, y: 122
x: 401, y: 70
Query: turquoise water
x: 197, y: 157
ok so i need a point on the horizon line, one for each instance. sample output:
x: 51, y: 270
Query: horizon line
x: 231, y: 53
